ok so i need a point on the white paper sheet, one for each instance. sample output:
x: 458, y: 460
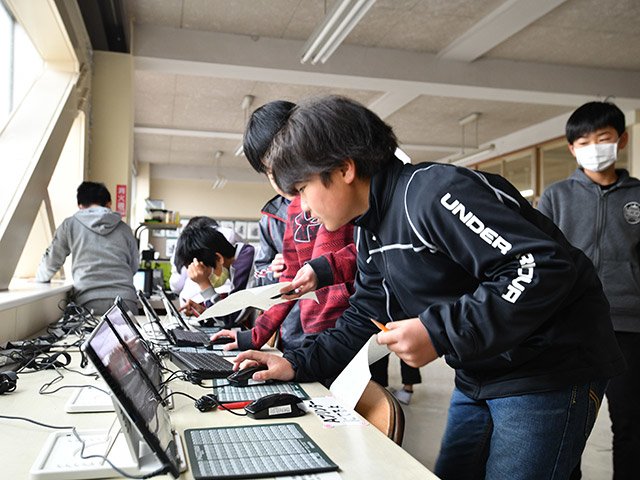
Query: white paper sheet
x: 259, y: 297
x: 350, y: 384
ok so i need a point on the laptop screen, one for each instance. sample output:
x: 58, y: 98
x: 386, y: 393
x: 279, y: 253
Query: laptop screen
x: 152, y: 316
x: 135, y: 344
x: 172, y: 310
x: 132, y: 394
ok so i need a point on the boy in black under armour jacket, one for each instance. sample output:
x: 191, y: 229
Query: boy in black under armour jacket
x: 598, y: 209
x: 456, y: 263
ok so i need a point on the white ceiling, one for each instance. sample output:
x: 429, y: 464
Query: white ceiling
x: 420, y: 64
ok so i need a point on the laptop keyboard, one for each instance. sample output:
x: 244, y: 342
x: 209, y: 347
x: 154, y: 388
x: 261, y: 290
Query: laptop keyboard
x: 189, y: 337
x: 252, y: 451
x: 207, y: 364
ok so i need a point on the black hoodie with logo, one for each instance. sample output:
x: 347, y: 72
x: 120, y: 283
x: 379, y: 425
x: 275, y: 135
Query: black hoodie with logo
x: 512, y: 306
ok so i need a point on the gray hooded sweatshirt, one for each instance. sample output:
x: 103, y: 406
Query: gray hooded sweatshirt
x: 104, y: 255
x: 605, y: 225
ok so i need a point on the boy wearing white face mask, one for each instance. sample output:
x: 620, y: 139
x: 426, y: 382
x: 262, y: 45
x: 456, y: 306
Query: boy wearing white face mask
x: 598, y: 210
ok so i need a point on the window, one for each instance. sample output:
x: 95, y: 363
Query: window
x: 518, y: 168
x: 20, y: 64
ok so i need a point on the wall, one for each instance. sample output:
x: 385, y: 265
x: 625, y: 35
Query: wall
x: 111, y: 143
x: 196, y: 197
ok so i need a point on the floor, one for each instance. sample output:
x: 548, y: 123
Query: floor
x: 426, y: 416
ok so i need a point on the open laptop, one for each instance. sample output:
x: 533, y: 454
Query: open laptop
x: 180, y: 319
x: 203, y: 364
x: 177, y: 336
x: 144, y: 419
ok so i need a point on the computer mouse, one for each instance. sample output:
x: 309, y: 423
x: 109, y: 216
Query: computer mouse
x: 276, y: 405
x: 219, y: 341
x: 241, y: 377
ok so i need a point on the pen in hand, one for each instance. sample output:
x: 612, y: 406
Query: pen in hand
x: 379, y: 325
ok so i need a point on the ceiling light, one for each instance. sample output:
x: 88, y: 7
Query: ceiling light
x: 472, y: 117
x: 247, y: 101
x: 466, y: 158
x: 239, y: 151
x: 335, y: 27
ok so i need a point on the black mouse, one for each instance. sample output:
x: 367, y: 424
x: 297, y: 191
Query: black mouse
x: 276, y: 405
x: 221, y: 341
x: 241, y: 377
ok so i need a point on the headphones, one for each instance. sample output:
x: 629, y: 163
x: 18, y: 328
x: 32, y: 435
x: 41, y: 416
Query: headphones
x: 8, y: 382
x: 52, y: 361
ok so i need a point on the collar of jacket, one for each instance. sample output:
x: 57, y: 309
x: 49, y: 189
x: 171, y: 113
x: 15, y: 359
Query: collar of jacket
x: 383, y: 184
x: 581, y: 177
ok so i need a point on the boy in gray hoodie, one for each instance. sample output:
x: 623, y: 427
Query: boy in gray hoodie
x: 598, y: 210
x: 103, y: 249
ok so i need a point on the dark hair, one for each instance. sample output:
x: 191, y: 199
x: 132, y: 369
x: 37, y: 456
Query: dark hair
x: 202, y: 221
x: 321, y: 134
x: 592, y: 116
x: 201, y: 242
x: 263, y: 125
x: 93, y: 193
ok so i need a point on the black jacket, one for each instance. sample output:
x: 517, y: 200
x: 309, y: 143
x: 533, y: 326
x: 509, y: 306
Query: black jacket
x: 605, y: 225
x: 510, y: 303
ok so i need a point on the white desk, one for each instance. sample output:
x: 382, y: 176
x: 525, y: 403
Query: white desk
x: 362, y: 452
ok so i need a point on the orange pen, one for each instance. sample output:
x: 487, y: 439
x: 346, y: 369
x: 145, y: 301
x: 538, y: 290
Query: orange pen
x: 379, y: 325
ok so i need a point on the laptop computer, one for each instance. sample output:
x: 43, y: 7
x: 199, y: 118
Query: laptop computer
x: 180, y: 319
x: 176, y: 336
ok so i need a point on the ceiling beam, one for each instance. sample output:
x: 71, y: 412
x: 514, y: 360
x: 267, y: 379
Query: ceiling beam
x: 190, y: 52
x: 504, y: 22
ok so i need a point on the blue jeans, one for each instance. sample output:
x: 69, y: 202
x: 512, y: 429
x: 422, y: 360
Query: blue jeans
x: 536, y: 436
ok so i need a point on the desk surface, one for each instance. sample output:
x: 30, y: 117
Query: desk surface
x: 360, y: 451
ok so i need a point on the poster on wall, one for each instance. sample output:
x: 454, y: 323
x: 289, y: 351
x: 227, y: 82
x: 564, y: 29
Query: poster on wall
x: 121, y: 200
x: 241, y: 229
x: 170, y: 247
x: 253, y: 231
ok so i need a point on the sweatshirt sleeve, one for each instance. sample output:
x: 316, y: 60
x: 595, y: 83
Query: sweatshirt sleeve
x: 134, y: 251
x: 545, y: 205
x: 329, y: 352
x: 492, y: 233
x: 55, y: 255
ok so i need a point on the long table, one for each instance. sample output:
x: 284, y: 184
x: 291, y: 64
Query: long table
x: 361, y: 451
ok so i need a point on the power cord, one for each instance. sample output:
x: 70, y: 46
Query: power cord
x: 82, y: 442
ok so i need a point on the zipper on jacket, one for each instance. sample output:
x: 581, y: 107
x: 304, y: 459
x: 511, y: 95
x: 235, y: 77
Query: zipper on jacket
x: 601, y: 208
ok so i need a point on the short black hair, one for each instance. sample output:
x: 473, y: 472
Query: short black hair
x: 592, y: 116
x: 202, y: 221
x: 263, y: 125
x: 321, y: 134
x: 201, y: 242
x: 93, y: 193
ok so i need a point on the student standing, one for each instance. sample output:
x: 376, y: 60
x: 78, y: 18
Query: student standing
x: 598, y: 210
x: 456, y: 263
x: 104, y: 252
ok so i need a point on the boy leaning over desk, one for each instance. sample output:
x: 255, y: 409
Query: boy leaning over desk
x: 456, y: 264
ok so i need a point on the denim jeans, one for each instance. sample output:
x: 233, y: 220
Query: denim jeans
x: 537, y: 436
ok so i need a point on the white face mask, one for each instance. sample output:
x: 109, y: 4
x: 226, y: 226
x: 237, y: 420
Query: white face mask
x: 597, y: 156
x: 218, y: 281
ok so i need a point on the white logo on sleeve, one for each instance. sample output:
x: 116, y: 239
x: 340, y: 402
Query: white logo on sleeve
x: 525, y: 275
x: 476, y: 225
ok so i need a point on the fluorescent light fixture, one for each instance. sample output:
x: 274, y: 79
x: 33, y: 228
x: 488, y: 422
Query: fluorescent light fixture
x: 527, y: 193
x: 402, y: 155
x: 335, y: 27
x: 219, y: 181
x: 466, y: 158
x: 472, y: 117
x: 239, y: 151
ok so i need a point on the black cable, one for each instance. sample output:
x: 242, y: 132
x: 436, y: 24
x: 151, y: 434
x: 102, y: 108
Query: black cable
x: 43, y: 388
x: 82, y: 442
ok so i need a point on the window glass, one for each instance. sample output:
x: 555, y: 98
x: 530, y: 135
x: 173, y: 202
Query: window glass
x: 20, y: 64
x: 519, y: 170
x: 556, y: 163
x: 6, y: 48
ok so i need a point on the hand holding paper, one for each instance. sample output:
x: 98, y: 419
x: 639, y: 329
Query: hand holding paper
x: 259, y: 297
